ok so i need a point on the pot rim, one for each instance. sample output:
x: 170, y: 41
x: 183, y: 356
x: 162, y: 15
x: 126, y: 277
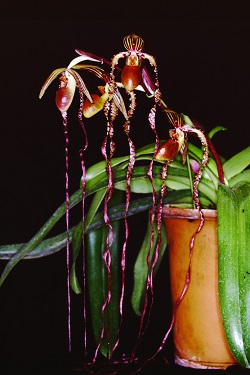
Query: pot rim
x: 190, y: 213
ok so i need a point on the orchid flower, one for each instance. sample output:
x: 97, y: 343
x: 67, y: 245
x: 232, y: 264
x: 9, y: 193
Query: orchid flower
x: 133, y: 77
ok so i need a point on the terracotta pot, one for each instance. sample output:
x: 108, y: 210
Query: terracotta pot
x: 198, y: 332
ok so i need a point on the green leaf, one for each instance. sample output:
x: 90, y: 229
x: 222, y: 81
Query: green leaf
x: 216, y: 130
x: 76, y: 246
x: 197, y: 153
x: 237, y: 163
x: 104, y: 320
x: 116, y: 212
x: 243, y: 204
x: 94, y: 206
x: 78, y: 233
x: 45, y: 248
x: 233, y: 210
x: 241, y: 177
x: 40, y: 235
x: 141, y: 267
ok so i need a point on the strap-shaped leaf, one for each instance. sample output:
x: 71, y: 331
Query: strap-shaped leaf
x: 233, y: 210
x: 141, y: 268
x: 76, y: 246
x: 237, y: 163
x: 243, y: 206
x: 78, y: 233
x: 40, y: 235
x: 105, y: 320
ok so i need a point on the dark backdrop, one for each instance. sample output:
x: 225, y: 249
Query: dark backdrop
x: 203, y: 61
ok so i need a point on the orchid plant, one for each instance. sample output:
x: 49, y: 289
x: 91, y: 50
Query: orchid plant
x: 171, y: 171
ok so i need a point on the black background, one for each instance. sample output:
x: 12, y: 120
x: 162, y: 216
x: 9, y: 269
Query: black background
x: 203, y: 61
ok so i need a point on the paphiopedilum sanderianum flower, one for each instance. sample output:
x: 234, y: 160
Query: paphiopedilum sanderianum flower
x: 168, y: 150
x: 131, y: 73
x: 91, y: 108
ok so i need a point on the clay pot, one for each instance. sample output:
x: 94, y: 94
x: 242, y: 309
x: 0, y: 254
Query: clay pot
x: 198, y: 332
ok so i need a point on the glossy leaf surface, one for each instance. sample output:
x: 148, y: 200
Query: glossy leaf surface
x: 142, y: 268
x: 104, y: 284
x: 233, y: 211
